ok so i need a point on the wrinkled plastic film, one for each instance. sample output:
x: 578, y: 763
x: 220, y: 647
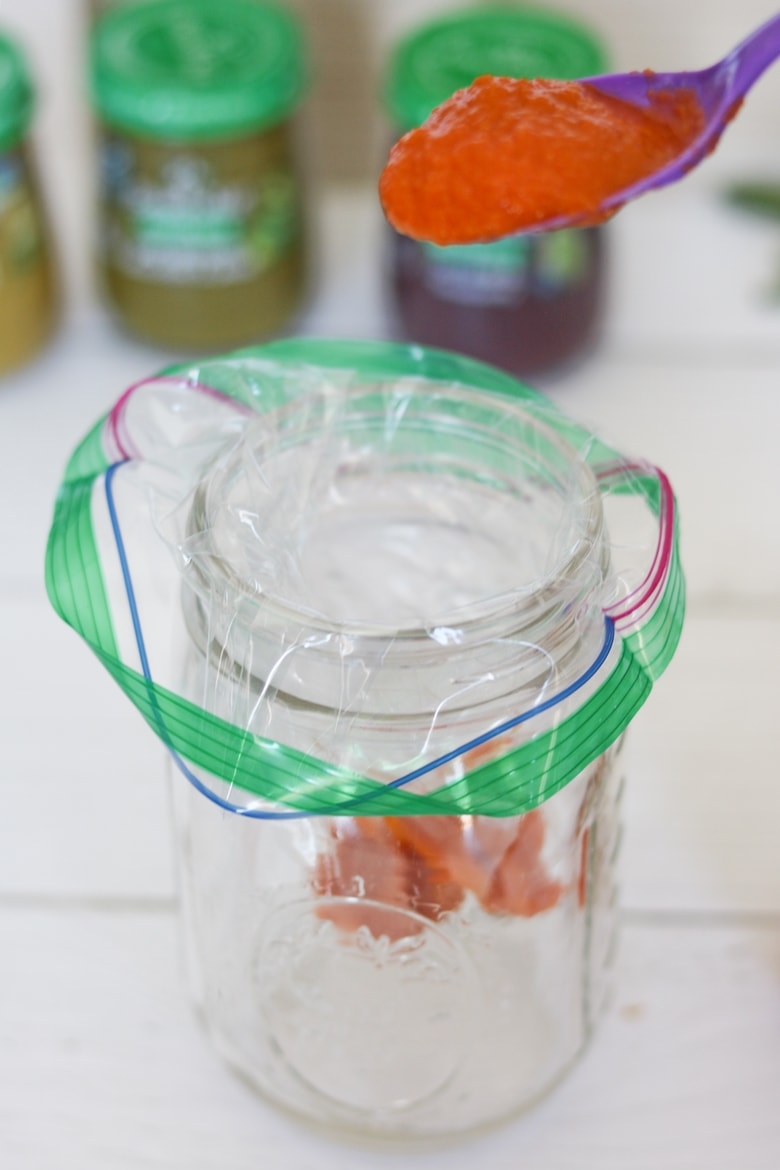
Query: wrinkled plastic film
x: 196, y: 477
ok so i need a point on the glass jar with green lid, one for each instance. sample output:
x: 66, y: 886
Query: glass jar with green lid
x: 27, y: 286
x: 528, y: 303
x: 201, y: 220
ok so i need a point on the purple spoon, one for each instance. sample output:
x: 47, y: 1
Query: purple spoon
x: 719, y: 90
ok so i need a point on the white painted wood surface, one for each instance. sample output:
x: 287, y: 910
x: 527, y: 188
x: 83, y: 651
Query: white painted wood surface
x: 107, y: 1070
x: 102, y: 1066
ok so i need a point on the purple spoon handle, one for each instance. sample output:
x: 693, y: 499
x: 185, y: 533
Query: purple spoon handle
x: 718, y: 89
x: 745, y: 64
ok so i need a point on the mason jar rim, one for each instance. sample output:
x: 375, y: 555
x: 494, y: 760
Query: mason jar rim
x: 536, y: 605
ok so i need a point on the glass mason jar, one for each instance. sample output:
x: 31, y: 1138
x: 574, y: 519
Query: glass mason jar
x: 413, y: 610
x: 201, y: 220
x: 27, y: 283
x: 529, y: 303
x: 376, y: 594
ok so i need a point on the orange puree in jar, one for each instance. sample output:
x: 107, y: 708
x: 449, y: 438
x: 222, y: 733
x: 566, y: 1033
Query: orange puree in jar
x: 505, y: 155
x: 372, y: 867
x: 427, y: 865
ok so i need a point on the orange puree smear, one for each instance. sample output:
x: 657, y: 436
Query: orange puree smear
x: 506, y: 155
x: 427, y: 865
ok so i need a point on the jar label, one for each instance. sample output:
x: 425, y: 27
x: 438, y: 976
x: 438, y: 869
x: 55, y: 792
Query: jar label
x: 499, y: 273
x: 186, y: 226
x: 21, y: 245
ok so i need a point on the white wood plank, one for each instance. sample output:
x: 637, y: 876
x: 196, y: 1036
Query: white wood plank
x: 104, y: 1068
x: 85, y: 810
x: 46, y: 408
x: 702, y: 801
x: 712, y: 430
x: 693, y: 279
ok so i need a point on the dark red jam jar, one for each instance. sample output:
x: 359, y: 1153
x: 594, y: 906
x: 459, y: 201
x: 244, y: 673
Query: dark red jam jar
x: 529, y: 303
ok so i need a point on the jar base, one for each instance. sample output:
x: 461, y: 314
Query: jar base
x: 397, y: 1140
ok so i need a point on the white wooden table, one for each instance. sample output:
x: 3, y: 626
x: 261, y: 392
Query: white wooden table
x: 102, y: 1066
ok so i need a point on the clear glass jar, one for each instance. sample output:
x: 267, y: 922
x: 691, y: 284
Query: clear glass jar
x: 202, y: 242
x: 529, y: 304
x: 376, y: 579
x: 28, y: 298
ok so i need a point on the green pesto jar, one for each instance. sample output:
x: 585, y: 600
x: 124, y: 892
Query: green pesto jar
x: 201, y: 237
x: 27, y: 283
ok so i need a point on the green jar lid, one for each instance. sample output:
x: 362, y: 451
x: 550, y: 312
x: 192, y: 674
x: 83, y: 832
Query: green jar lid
x: 447, y: 54
x: 16, y: 94
x: 195, y: 70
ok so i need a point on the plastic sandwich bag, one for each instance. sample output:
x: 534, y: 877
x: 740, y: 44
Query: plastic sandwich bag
x: 189, y: 505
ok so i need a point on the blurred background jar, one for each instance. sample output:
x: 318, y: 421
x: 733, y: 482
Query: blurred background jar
x: 27, y: 285
x: 202, y: 240
x: 528, y: 303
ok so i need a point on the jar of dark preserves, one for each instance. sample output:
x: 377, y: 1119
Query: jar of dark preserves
x: 27, y: 284
x: 201, y: 225
x: 528, y: 303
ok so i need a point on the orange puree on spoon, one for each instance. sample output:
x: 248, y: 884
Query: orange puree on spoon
x: 507, y: 155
